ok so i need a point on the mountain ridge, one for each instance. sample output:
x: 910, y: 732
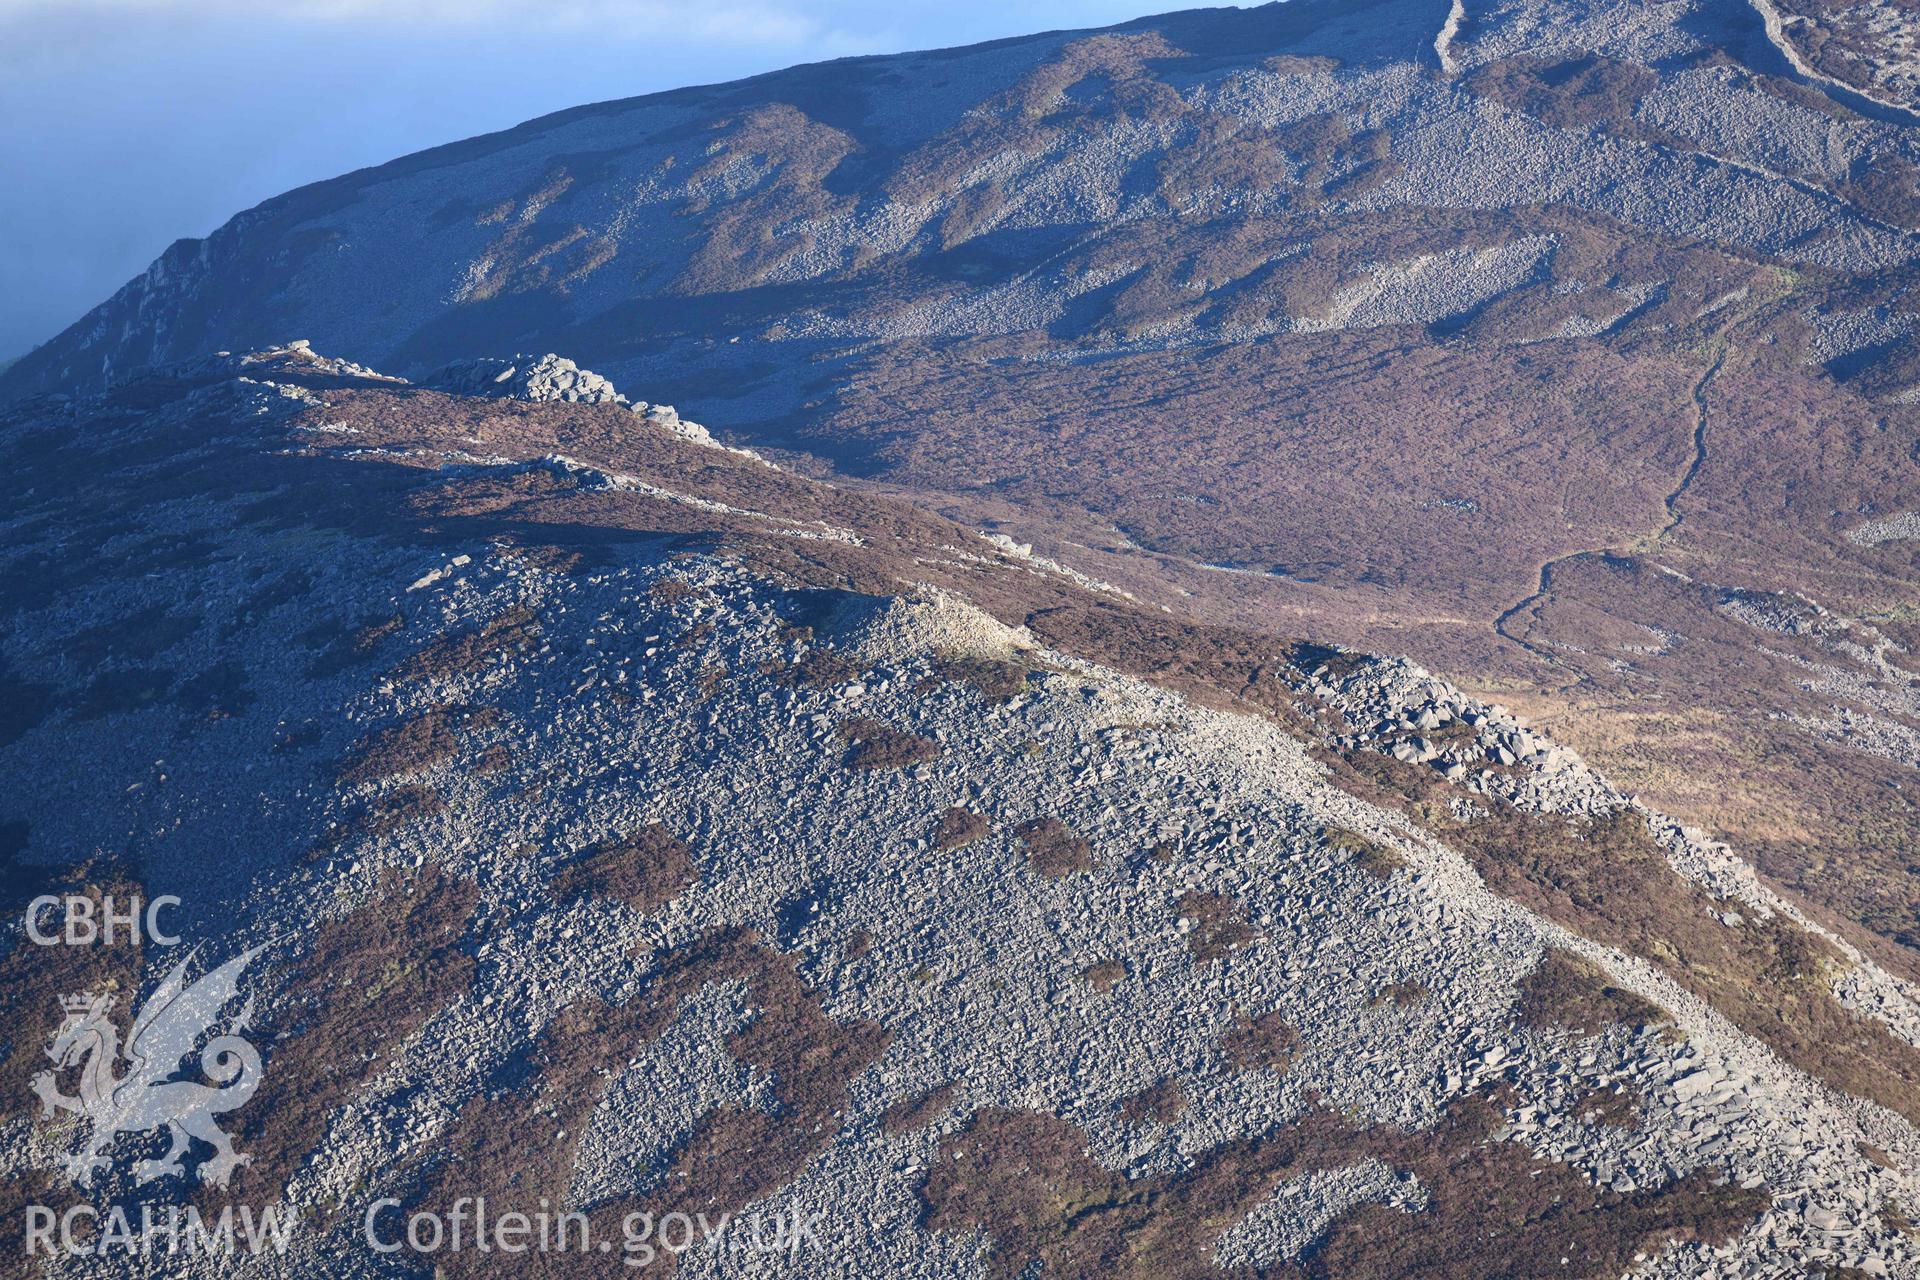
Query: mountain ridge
x: 1259, y: 315
x: 799, y: 86
x: 617, y: 779
x: 1090, y: 413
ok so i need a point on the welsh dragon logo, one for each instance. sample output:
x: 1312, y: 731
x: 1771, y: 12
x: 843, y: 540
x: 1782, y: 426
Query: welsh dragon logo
x: 146, y: 1096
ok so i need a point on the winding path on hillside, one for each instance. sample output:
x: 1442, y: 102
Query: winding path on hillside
x: 1544, y: 587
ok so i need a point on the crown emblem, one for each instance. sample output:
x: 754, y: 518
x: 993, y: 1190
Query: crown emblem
x: 84, y: 1002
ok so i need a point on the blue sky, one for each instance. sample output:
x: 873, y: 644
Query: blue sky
x: 126, y: 124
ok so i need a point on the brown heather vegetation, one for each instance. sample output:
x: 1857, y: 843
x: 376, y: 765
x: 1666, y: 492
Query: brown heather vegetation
x: 366, y: 985
x: 1216, y: 456
x: 1262, y: 1042
x: 821, y: 667
x: 512, y: 632
x: 1608, y: 1107
x: 123, y: 690
x: 1400, y: 994
x: 672, y: 591
x: 1826, y: 821
x: 1608, y: 881
x: 219, y: 692
x: 1440, y: 532
x: 960, y: 827
x: 1624, y: 895
x: 1573, y: 878
x: 1325, y: 661
x: 552, y: 559
x: 1027, y: 1182
x: 1372, y: 857
x: 413, y: 746
x: 645, y: 870
x: 1887, y: 185
x: 32, y: 980
x: 1219, y: 924
x: 1163, y: 1100
x: 341, y: 650
x: 1103, y: 976
x: 1845, y: 39
x: 407, y: 803
x: 997, y: 680
x: 734, y: 1157
x: 18, y: 881
x: 23, y: 704
x: 141, y: 636
x: 1591, y: 91
x: 878, y: 745
x: 694, y: 636
x: 494, y: 758
x: 1054, y: 849
x: 1567, y: 990
x: 713, y: 678
x: 1496, y: 1210
x: 910, y: 1115
x: 1244, y: 481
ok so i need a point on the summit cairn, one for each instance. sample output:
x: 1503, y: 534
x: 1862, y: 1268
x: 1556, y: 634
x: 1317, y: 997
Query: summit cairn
x: 554, y: 377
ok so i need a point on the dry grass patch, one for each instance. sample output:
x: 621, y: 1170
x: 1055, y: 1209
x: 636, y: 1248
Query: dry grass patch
x: 878, y: 745
x: 1218, y: 925
x: 1162, y: 1100
x: 1262, y: 1042
x: 1053, y: 849
x: 645, y: 870
x: 1372, y: 857
x: 960, y: 827
x: 516, y: 630
x: 909, y: 1115
x: 1567, y: 990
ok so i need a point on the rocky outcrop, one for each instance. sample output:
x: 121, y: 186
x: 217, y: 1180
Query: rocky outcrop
x: 552, y: 377
x: 548, y: 377
x: 1398, y: 708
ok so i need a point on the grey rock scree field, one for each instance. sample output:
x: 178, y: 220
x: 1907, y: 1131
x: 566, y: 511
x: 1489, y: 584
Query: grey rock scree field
x: 1288, y: 650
